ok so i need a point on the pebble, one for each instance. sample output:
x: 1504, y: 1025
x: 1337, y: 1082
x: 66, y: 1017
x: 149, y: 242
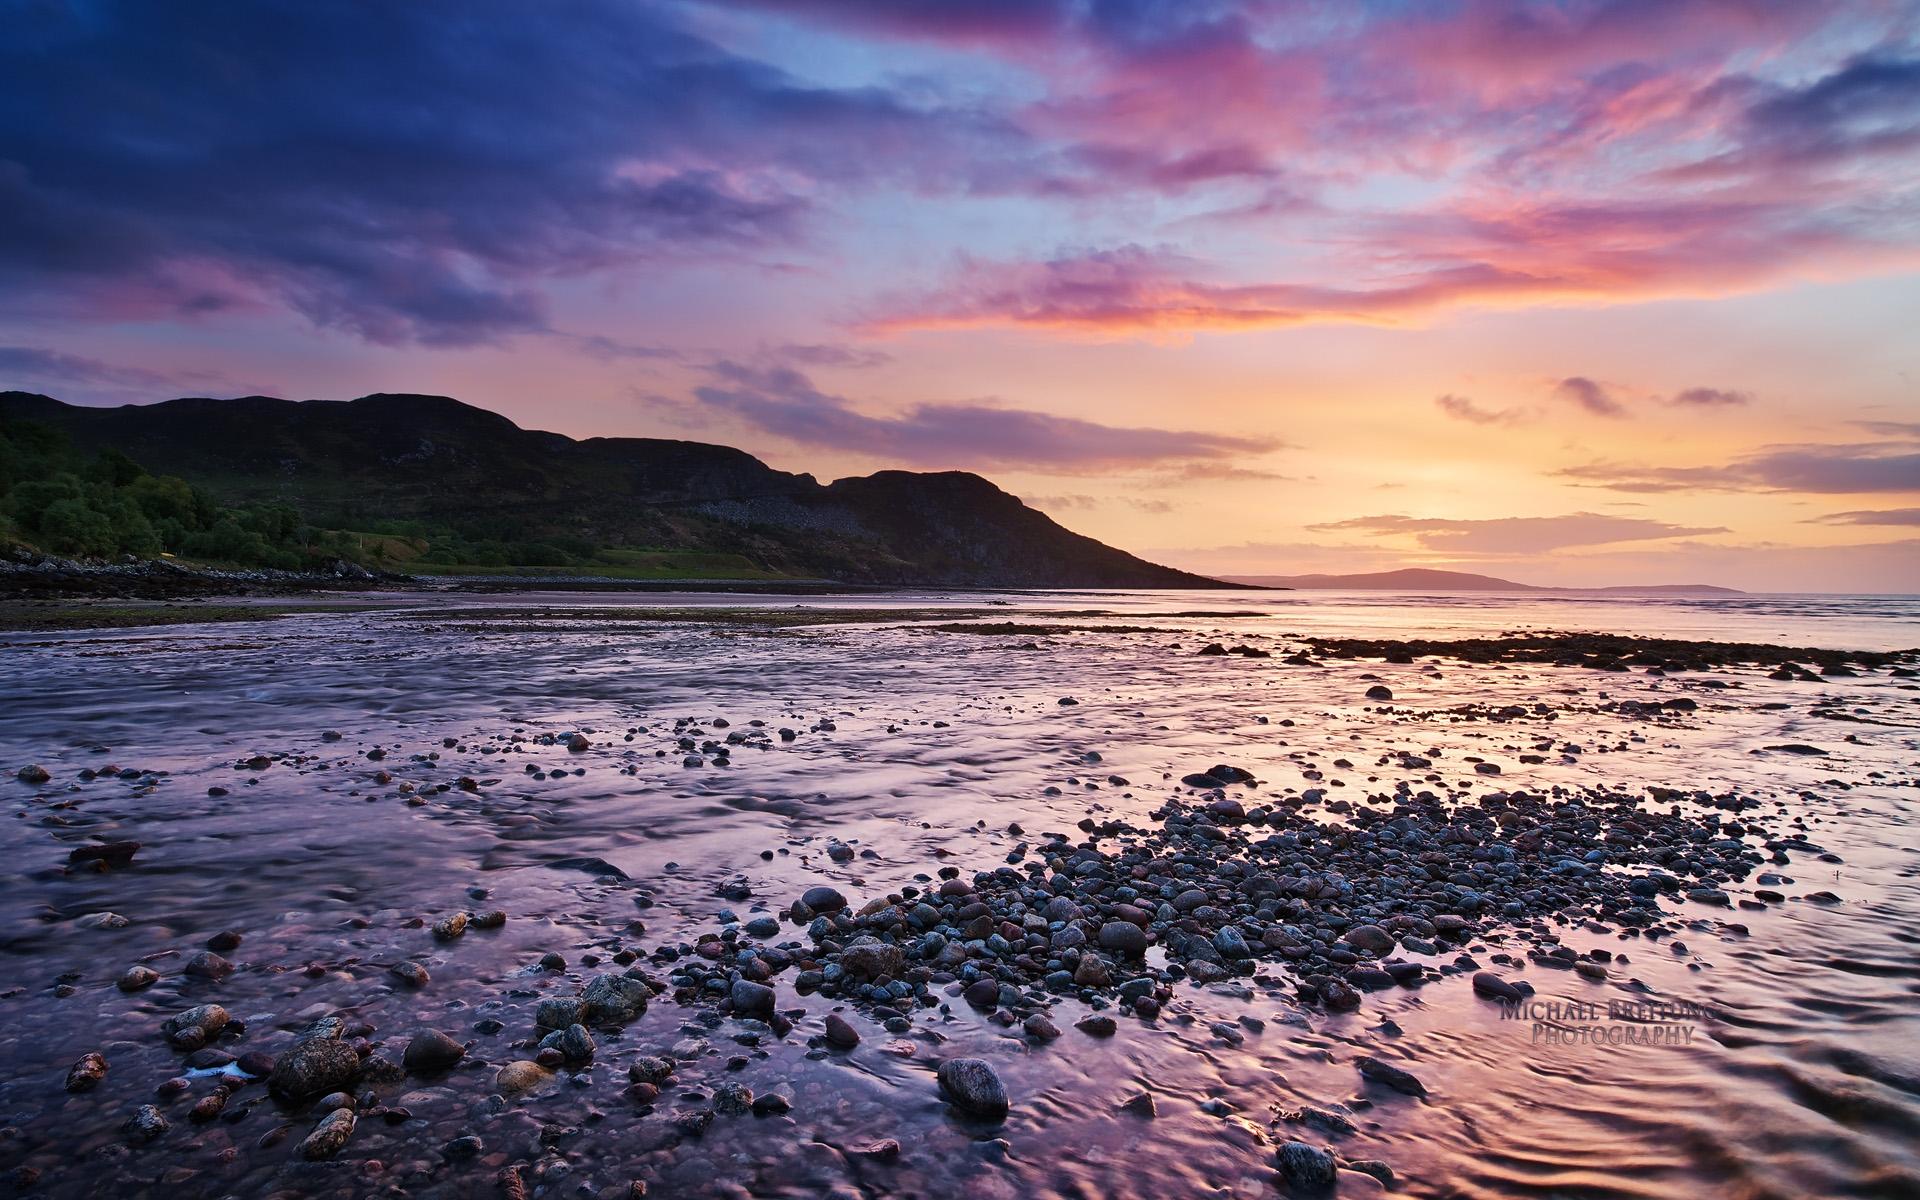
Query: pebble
x: 329, y: 1136
x: 1389, y: 1075
x: 1304, y: 1166
x: 840, y: 1033
x: 195, y: 1027
x: 314, y: 1067
x: 146, y: 1124
x: 431, y: 1052
x: 973, y: 1087
x: 87, y: 1074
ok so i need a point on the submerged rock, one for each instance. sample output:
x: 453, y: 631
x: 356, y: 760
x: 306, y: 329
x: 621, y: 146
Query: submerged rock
x: 195, y: 1027
x: 329, y: 1136
x: 314, y: 1067
x: 973, y: 1087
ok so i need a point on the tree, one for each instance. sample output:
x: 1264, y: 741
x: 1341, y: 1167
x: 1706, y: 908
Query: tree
x: 71, y: 526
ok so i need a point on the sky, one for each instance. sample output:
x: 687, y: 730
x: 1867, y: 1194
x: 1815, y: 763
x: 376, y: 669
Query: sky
x: 1586, y: 292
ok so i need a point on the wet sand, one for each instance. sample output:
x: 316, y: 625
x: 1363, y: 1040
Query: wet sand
x: 944, y: 762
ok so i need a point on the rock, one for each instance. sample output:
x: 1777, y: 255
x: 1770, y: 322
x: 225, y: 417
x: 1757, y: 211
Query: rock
x: 840, y: 1033
x: 557, y: 1012
x: 1327, y: 1119
x: 983, y: 993
x: 771, y: 1104
x: 314, y: 1067
x: 973, y: 1087
x: 1486, y: 983
x: 207, y: 965
x: 1124, y: 937
x: 195, y: 1027
x: 1389, y: 1075
x: 329, y: 1136
x: 884, y: 1150
x: 450, y: 927
x: 110, y: 854
x: 32, y: 773
x: 102, y: 920
x: 225, y: 940
x: 592, y: 866
x: 145, y: 1124
x: 1371, y: 938
x: 870, y: 958
x: 1040, y: 1028
x: 464, y: 1149
x: 1142, y: 1106
x: 431, y: 1052
x: 823, y: 899
x: 86, y: 1075
x: 1379, y: 692
x: 137, y: 979
x: 574, y: 1043
x: 650, y: 1069
x: 733, y: 1099
x: 1305, y: 1167
x: 613, y: 1000
x: 410, y: 973
x: 1097, y: 1025
x: 750, y: 998
x: 520, y: 1077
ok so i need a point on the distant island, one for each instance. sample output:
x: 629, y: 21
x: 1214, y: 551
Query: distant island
x: 421, y: 484
x: 1415, y: 579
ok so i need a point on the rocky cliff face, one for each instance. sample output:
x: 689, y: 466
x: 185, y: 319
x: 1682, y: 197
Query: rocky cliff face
x: 435, y: 459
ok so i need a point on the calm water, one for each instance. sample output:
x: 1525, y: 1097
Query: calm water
x: 1803, y: 1081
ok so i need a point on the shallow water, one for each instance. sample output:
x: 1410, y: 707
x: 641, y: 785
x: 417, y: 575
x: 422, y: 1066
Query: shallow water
x: 1804, y: 1079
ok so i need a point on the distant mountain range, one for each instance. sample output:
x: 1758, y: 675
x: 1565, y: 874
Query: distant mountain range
x: 384, y: 459
x: 1417, y: 579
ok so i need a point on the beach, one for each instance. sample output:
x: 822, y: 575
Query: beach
x: 1215, y: 894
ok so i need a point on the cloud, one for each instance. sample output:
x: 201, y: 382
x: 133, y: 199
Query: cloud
x: 77, y: 376
x: 415, y: 172
x: 1885, y: 516
x: 1908, y: 430
x: 1069, y: 503
x: 1706, y: 397
x: 1217, y: 471
x: 1462, y: 409
x: 1825, y: 469
x: 1515, y: 535
x: 1076, y: 502
x: 432, y: 172
x: 783, y: 402
x: 818, y: 354
x: 1585, y: 393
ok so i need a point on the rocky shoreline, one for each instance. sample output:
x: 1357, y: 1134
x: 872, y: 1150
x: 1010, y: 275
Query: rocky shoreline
x: 27, y: 575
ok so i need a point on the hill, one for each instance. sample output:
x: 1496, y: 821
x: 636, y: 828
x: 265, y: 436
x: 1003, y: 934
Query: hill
x: 433, y: 481
x: 1416, y: 579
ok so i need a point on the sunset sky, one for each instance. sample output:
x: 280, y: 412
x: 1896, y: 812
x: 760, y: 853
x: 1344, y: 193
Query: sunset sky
x: 1601, y: 291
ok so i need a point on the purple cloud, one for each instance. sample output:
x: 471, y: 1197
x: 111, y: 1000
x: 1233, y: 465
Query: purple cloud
x: 1884, y: 516
x: 1706, y: 397
x: 1460, y: 408
x: 414, y: 172
x: 1593, y: 397
x: 1824, y: 469
x: 781, y: 401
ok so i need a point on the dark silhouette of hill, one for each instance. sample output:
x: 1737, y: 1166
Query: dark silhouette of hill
x: 385, y: 459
